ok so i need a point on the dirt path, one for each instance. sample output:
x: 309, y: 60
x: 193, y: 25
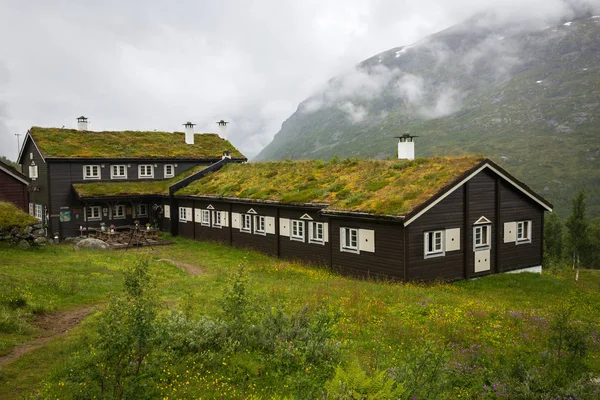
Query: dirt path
x: 191, y: 269
x: 52, y: 325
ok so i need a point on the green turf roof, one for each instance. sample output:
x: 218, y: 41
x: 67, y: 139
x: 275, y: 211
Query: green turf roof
x: 127, y: 188
x: 72, y: 143
x: 11, y: 216
x: 394, y: 187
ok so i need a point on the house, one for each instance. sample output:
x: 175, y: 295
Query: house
x: 442, y: 218
x: 83, y: 177
x: 14, y: 187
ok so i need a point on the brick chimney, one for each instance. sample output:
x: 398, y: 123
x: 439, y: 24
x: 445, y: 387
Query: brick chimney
x: 189, y: 132
x: 406, y: 147
x: 82, y: 123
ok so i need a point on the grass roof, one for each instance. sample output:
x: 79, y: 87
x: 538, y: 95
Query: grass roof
x: 392, y: 187
x: 72, y: 143
x: 11, y: 216
x: 124, y: 188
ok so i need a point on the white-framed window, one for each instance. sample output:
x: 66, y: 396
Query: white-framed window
x: 33, y: 172
x: 118, y: 172
x: 349, y: 240
x: 482, y: 235
x: 205, y: 217
x: 31, y: 211
x: 524, y: 232
x: 183, y: 217
x: 118, y: 211
x: 92, y: 213
x: 297, y: 230
x: 316, y: 232
x: 39, y: 211
x: 91, y: 172
x: 434, y: 244
x: 169, y: 170
x: 146, y: 171
x: 246, y: 223
x: 216, y: 219
x: 141, y: 210
x: 259, y: 225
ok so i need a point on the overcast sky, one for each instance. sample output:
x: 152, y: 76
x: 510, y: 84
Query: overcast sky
x: 145, y: 65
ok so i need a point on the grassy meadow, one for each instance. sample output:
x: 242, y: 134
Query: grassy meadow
x: 252, y: 326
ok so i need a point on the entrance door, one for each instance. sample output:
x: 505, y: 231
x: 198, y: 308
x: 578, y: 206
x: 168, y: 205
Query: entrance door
x: 482, y: 243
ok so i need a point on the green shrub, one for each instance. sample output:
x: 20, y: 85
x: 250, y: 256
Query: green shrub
x: 353, y: 383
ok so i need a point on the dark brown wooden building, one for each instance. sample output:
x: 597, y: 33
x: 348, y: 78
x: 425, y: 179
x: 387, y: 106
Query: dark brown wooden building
x: 14, y: 187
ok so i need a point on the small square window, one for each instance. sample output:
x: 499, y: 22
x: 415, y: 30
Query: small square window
x: 142, y: 210
x: 33, y: 172
x: 434, y: 244
x: 118, y: 172
x: 118, y: 211
x: 91, y: 172
x: 39, y: 211
x: 246, y: 223
x: 205, y: 217
x: 482, y: 237
x: 182, y: 214
x: 524, y: 232
x: 92, y: 213
x: 297, y: 232
x: 349, y: 240
x: 216, y: 219
x: 259, y: 225
x: 315, y: 232
x: 146, y: 171
x: 169, y: 170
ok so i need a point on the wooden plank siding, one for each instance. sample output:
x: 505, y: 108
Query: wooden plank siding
x: 388, y: 259
x: 212, y: 233
x: 264, y: 243
x: 186, y: 229
x: 447, y: 214
x: 516, y: 207
x: 14, y: 191
x: 314, y: 253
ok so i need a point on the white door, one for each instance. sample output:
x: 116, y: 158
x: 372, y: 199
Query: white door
x: 482, y: 243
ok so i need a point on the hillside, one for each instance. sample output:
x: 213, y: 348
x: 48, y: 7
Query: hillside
x: 527, y: 99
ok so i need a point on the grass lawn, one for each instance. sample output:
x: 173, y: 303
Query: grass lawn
x: 486, y: 329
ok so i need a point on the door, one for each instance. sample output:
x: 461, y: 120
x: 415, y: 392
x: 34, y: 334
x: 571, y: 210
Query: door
x: 482, y: 243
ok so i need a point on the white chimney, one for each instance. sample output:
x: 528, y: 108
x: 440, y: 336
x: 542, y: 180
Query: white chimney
x: 82, y: 123
x: 222, y: 128
x: 406, y: 147
x: 189, y: 132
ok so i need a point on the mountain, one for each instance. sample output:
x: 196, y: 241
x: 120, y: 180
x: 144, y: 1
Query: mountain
x: 527, y: 97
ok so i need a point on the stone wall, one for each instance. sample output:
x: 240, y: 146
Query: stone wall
x: 33, y: 235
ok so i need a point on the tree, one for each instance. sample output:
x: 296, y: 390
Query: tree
x: 594, y: 236
x: 577, y: 230
x: 553, y: 237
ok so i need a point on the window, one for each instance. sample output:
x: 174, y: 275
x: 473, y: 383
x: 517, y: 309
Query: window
x: 246, y: 223
x: 183, y: 214
x: 259, y: 225
x: 169, y: 170
x: 524, y: 232
x: 92, y: 213
x: 39, y: 211
x: 142, y: 210
x: 315, y: 232
x: 434, y: 244
x: 297, y: 230
x: 31, y: 209
x: 33, y: 172
x: 91, y: 172
x: 216, y: 219
x: 118, y: 172
x: 118, y: 211
x: 349, y: 240
x: 481, y: 236
x: 146, y: 171
x: 205, y: 217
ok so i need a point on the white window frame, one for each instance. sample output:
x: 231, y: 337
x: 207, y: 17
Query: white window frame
x: 33, y: 172
x: 346, y: 242
x: 246, y: 223
x: 91, y: 171
x: 434, y: 243
x: 93, y: 213
x: 182, y: 214
x: 260, y: 225
x: 297, y: 230
x: 205, y: 217
x: 144, y: 168
x: 31, y: 209
x: 217, y: 221
x: 118, y: 211
x: 39, y: 211
x: 141, y: 210
x: 169, y: 175
x: 523, y: 232
x: 116, y: 168
x: 314, y: 228
x: 482, y: 237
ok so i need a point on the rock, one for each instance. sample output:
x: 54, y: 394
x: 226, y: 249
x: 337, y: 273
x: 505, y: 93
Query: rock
x: 24, y: 244
x: 38, y: 225
x: 40, y: 240
x: 28, y: 229
x: 72, y: 239
x: 91, y: 243
x: 39, y: 232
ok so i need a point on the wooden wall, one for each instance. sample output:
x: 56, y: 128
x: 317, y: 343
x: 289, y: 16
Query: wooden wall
x: 263, y: 243
x: 314, y: 253
x: 202, y: 232
x: 14, y: 191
